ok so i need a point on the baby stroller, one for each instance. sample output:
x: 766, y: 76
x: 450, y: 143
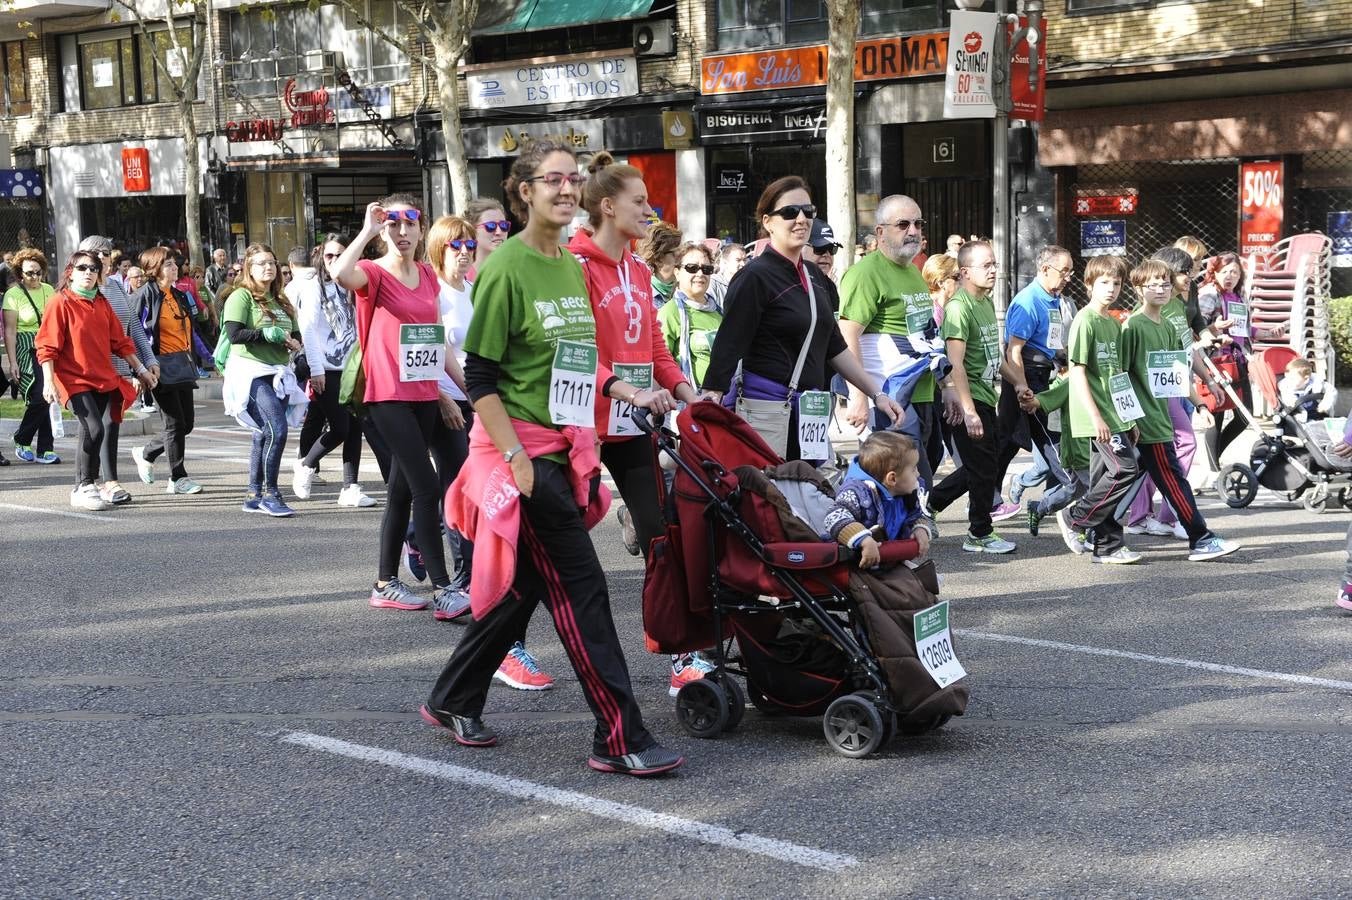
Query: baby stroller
x: 1292, y: 457
x: 737, y: 572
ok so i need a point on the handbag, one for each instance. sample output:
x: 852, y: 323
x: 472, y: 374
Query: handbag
x: 771, y: 418
x: 1220, y: 402
x: 177, y: 368
x: 352, y: 388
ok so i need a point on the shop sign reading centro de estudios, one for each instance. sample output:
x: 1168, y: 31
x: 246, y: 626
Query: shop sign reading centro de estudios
x: 559, y: 80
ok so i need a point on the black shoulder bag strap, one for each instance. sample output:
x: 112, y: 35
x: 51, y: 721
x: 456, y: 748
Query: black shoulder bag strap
x: 37, y: 312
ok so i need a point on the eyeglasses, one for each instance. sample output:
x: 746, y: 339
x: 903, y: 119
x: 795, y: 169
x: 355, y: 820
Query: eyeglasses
x: 556, y: 179
x: 86, y: 267
x: 1064, y: 273
x: 233, y: 272
x: 463, y: 243
x: 987, y: 265
x: 692, y: 268
x: 408, y: 215
x: 170, y: 262
x: 494, y: 227
x: 907, y: 224
x: 105, y: 252
x: 794, y: 210
x: 32, y: 273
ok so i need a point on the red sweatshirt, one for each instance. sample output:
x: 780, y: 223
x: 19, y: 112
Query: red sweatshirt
x: 626, y: 322
x: 80, y: 336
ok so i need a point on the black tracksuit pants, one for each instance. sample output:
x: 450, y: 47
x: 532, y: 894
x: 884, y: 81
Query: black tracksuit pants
x: 632, y: 463
x: 976, y: 476
x: 556, y: 564
x: 1114, y: 469
x: 1160, y: 462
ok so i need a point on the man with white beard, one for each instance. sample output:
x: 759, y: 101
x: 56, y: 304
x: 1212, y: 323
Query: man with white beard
x: 887, y: 319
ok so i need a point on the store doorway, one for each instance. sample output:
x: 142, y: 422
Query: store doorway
x: 737, y: 176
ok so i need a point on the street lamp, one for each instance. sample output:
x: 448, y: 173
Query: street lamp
x: 1004, y: 102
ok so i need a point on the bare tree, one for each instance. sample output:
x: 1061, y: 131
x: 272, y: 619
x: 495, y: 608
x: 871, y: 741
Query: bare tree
x: 180, y: 67
x: 842, y: 18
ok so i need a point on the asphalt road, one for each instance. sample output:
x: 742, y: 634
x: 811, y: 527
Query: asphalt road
x: 197, y: 702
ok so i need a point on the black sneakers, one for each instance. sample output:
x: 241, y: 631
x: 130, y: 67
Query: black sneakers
x: 653, y: 761
x: 468, y: 730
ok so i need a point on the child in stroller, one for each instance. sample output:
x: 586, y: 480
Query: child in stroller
x: 880, y: 500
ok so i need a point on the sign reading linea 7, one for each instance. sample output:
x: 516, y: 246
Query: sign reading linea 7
x: 880, y: 59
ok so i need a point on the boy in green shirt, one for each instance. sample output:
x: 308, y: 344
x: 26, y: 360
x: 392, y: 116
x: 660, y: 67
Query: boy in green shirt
x: 1103, y: 408
x: 1156, y: 355
x: 1074, y: 455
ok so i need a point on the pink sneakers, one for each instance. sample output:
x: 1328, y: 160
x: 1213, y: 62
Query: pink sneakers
x: 520, y: 670
x: 1345, y: 596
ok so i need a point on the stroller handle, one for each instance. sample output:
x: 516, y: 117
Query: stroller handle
x: 649, y: 422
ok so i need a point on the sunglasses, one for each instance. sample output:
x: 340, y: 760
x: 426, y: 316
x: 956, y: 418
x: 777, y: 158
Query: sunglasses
x: 494, y: 227
x: 556, y: 179
x: 32, y: 273
x: 905, y: 224
x: 86, y: 267
x: 794, y: 210
x: 833, y: 249
x: 692, y: 268
x: 465, y: 243
x: 408, y: 215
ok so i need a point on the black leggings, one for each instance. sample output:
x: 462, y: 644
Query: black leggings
x: 407, y: 428
x: 1219, y: 435
x: 316, y: 442
x: 176, y: 412
x: 37, y: 419
x: 633, y: 465
x: 89, y: 407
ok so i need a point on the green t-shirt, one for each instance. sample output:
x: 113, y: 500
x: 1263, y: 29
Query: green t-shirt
x: 16, y: 302
x: 1140, y: 336
x: 888, y: 298
x: 1094, y: 345
x: 1176, y: 314
x: 240, y: 307
x: 972, y: 320
x: 703, y: 327
x: 524, y: 304
x: 1074, y: 451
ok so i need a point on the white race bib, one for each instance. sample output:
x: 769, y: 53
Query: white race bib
x: 422, y: 352
x: 1238, y: 314
x: 814, y: 425
x: 572, y: 385
x: 934, y: 645
x: 1169, y: 373
x: 1054, y: 341
x: 640, y: 376
x: 1124, y: 398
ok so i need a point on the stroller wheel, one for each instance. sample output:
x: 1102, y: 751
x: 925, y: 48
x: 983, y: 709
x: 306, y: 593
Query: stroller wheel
x: 1317, y: 501
x: 1237, y: 485
x: 702, y: 708
x: 853, y: 726
x: 736, y: 700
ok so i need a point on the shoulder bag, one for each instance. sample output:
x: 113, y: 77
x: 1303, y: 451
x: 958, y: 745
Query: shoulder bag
x: 771, y: 418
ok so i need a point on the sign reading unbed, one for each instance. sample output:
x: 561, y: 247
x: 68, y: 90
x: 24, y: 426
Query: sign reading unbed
x: 562, y: 81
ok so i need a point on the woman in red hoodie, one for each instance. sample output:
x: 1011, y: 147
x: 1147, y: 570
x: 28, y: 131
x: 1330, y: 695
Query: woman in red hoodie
x: 631, y: 346
x: 80, y: 332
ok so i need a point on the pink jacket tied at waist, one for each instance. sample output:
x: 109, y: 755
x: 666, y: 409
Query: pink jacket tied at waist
x: 485, y: 494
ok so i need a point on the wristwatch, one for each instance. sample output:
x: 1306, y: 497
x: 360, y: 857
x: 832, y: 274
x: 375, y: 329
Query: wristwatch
x: 512, y: 452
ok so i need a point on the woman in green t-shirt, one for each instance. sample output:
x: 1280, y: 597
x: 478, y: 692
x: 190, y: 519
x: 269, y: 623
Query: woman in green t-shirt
x: 260, y: 324
x: 23, y: 306
x: 690, y: 323
x: 530, y: 371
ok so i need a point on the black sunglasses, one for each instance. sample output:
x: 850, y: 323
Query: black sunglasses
x: 493, y: 227
x: 86, y: 267
x: 794, y: 210
x: 905, y: 224
x: 692, y: 268
x: 467, y: 243
x: 32, y: 273
x: 833, y: 249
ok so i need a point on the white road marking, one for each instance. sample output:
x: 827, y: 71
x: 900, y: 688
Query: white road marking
x: 1263, y: 674
x: 784, y: 851
x: 58, y: 512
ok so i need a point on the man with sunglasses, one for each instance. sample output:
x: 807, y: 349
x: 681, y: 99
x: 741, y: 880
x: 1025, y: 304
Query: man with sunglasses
x: 1036, y: 330
x: 823, y: 247
x: 885, y: 305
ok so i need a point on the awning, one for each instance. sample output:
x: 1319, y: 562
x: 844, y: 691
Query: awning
x: 537, y: 15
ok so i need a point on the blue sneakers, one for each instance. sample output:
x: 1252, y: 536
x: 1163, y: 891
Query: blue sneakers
x: 47, y: 458
x: 253, y: 503
x: 25, y: 453
x: 413, y: 559
x: 275, y: 506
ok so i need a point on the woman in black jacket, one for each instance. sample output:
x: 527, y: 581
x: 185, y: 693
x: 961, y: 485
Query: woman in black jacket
x: 167, y: 314
x: 771, y: 307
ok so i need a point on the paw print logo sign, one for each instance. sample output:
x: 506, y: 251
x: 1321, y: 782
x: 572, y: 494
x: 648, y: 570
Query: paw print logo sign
x: 20, y: 183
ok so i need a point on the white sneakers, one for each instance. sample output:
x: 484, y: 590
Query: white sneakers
x: 144, y: 467
x: 1153, y: 526
x: 86, y: 496
x: 352, y: 496
x: 302, y: 478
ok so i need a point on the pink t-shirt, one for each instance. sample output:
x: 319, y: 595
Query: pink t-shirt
x: 382, y: 307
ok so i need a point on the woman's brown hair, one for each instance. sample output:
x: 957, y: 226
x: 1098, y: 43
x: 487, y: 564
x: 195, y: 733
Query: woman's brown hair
x: 91, y: 255
x: 439, y: 236
x: 523, y: 169
x: 29, y: 254
x: 403, y: 199
x: 685, y: 248
x: 661, y: 239
x: 769, y: 198
x: 262, y: 294
x: 607, y: 179
x: 152, y: 261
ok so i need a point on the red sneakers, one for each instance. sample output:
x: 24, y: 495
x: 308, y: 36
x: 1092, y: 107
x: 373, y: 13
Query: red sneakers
x: 520, y: 670
x: 685, y: 668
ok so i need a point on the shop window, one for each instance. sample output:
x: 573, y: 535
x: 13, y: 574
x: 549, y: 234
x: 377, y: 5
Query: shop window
x: 1096, y: 6
x: 267, y: 50
x: 120, y: 71
x: 764, y: 23
x: 15, y: 61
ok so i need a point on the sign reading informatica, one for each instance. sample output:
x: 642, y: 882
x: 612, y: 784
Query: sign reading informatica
x: 575, y: 79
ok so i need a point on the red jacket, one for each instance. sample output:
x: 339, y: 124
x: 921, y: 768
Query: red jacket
x: 80, y: 337
x: 626, y: 325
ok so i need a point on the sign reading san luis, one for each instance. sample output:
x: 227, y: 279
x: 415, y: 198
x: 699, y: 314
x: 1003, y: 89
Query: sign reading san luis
x: 878, y: 59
